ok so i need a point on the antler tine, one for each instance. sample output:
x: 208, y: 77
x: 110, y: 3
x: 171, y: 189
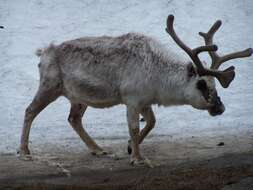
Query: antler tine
x: 216, y: 59
x: 170, y: 30
x: 208, y: 37
x: 225, y: 77
x: 239, y: 54
x: 193, y: 53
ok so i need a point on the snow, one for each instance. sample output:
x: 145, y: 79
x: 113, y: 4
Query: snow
x: 32, y: 24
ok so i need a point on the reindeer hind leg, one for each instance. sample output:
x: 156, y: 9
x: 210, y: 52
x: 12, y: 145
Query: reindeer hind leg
x: 42, y: 98
x: 75, y: 119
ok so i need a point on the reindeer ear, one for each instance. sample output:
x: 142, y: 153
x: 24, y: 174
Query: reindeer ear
x: 191, y: 70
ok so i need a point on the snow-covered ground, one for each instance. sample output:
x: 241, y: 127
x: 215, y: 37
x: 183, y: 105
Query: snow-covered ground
x: 31, y: 24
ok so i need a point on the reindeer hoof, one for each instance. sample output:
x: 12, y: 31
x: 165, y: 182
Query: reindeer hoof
x: 142, y: 162
x: 24, y: 154
x: 129, y: 148
x: 137, y: 161
x: 99, y: 152
x: 26, y: 157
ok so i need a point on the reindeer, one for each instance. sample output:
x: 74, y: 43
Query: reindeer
x: 131, y: 69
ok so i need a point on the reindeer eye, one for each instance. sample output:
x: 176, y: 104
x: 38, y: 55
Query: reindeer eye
x: 201, y: 85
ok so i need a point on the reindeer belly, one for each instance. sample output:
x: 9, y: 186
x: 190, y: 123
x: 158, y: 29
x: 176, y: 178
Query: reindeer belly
x: 92, y: 92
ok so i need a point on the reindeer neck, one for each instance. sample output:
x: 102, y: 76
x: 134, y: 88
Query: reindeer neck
x: 173, y: 83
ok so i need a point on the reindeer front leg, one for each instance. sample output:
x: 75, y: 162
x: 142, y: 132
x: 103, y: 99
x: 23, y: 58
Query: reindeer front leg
x: 134, y: 131
x: 149, y: 117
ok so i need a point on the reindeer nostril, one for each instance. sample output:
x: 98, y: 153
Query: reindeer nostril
x: 218, y: 101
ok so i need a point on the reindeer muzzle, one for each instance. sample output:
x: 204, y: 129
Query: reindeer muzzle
x: 218, y: 107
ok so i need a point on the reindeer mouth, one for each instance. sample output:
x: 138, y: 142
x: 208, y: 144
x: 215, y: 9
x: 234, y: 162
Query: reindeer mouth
x: 215, y: 112
x: 217, y: 109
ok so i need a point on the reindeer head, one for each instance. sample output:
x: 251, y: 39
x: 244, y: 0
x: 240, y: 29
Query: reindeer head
x: 201, y: 92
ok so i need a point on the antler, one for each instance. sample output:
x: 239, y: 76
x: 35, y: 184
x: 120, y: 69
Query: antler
x: 216, y: 59
x: 225, y: 77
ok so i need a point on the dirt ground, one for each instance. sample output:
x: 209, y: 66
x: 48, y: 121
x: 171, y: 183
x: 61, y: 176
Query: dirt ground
x: 194, y: 163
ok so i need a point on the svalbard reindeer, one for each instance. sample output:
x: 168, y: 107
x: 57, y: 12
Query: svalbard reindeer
x: 130, y: 69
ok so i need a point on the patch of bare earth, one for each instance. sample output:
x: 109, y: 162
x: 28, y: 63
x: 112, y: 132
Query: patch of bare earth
x: 192, y: 164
